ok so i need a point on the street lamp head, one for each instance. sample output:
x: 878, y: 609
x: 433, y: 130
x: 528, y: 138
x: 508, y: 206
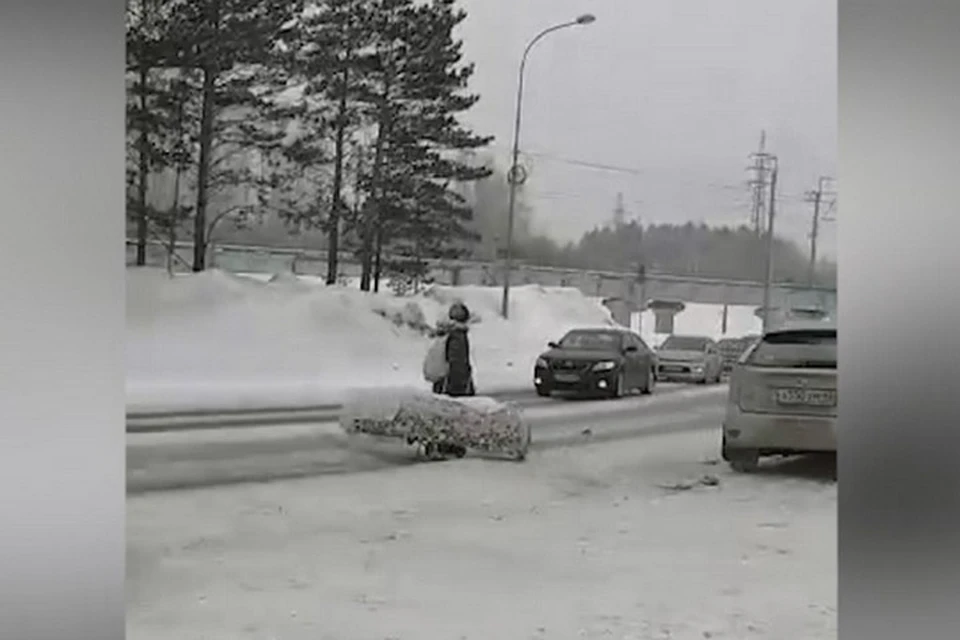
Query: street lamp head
x: 586, y: 18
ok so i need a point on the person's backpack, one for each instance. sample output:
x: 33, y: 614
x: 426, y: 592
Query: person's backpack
x: 435, y: 366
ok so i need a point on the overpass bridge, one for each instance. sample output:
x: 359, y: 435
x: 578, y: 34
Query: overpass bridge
x: 625, y: 292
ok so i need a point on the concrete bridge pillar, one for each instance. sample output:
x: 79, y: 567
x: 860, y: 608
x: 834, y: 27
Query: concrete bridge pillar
x: 664, y: 312
x: 623, y: 305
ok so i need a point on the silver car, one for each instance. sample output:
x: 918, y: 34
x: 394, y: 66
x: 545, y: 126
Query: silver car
x: 783, y: 396
x: 689, y: 359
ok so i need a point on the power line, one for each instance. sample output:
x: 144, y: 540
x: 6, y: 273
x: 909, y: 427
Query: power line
x: 768, y: 281
x: 737, y: 200
x: 740, y: 187
x: 619, y: 212
x: 831, y: 206
x: 758, y: 183
x: 588, y: 164
x: 816, y: 198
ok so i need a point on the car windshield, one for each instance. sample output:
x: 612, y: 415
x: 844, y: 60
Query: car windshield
x: 810, y: 349
x: 593, y: 340
x: 684, y: 343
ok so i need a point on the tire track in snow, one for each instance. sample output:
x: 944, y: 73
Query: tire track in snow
x: 325, y: 449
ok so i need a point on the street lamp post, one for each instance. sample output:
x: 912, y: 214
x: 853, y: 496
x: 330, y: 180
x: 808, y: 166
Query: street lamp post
x: 515, y: 176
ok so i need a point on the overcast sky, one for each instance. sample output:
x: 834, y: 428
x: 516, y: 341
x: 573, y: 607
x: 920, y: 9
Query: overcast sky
x: 675, y: 91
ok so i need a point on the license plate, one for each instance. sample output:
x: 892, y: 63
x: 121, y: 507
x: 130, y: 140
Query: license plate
x: 669, y: 369
x: 808, y: 397
x: 567, y: 377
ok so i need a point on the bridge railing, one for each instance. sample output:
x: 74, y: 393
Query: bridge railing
x: 276, y: 259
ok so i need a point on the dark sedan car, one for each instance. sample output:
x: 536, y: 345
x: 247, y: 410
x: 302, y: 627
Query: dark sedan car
x: 607, y: 362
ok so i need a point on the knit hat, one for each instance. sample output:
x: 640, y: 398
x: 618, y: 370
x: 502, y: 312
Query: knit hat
x: 459, y: 312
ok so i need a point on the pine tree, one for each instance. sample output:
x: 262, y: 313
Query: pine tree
x: 180, y: 104
x: 418, y: 92
x: 147, y: 123
x: 231, y: 45
x: 385, y: 70
x: 330, y: 39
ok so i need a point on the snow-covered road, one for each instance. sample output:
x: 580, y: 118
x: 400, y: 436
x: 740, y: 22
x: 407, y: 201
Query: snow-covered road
x: 220, y: 456
x: 639, y: 538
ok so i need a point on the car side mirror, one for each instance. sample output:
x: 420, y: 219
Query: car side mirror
x: 630, y: 349
x: 553, y: 345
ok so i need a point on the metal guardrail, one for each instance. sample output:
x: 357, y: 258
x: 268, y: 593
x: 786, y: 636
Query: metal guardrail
x: 200, y: 419
x: 196, y: 421
x: 214, y: 412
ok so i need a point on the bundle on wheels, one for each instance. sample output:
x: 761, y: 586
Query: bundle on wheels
x: 441, y: 425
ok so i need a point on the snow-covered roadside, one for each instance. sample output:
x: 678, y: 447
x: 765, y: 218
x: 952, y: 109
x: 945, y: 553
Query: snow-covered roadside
x: 592, y: 542
x: 216, y: 340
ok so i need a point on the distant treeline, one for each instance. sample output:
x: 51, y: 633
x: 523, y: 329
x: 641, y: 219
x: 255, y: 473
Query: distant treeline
x: 688, y: 249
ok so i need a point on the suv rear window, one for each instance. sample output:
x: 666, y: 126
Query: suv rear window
x: 806, y: 349
x: 685, y: 343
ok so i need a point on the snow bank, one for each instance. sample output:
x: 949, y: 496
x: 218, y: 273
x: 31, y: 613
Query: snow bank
x: 704, y: 320
x: 230, y: 341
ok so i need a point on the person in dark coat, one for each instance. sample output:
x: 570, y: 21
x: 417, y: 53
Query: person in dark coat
x: 459, y: 380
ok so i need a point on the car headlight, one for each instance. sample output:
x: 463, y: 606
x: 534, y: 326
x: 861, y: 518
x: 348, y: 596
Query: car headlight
x: 542, y: 363
x: 698, y: 368
x: 606, y: 365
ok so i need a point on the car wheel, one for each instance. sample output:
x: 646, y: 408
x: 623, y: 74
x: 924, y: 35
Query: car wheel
x: 651, y: 382
x: 618, y: 387
x: 745, y: 464
x: 743, y: 461
x: 740, y: 460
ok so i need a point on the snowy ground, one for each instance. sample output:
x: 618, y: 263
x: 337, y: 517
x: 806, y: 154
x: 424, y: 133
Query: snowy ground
x: 219, y: 340
x: 610, y: 540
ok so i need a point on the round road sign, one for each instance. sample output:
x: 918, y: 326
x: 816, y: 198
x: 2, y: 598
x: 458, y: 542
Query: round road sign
x: 517, y: 174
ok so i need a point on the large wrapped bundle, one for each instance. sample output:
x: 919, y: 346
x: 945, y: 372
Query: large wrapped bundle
x: 437, y: 422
